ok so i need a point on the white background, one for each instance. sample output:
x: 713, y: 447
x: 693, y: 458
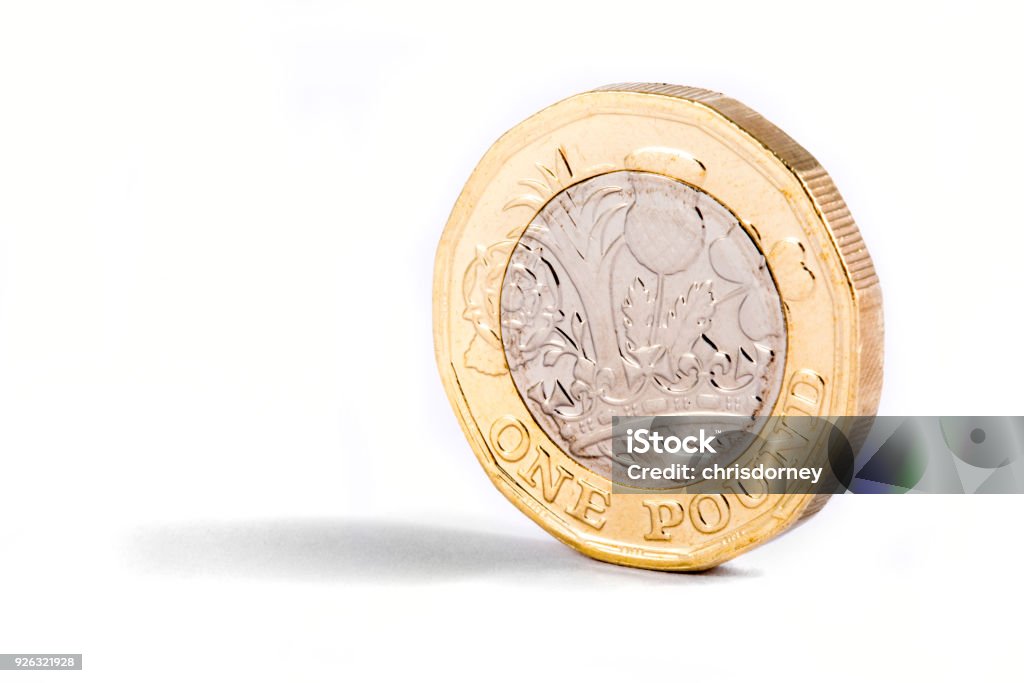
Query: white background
x: 225, y: 450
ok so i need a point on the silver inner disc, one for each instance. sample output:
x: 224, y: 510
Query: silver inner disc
x: 635, y: 294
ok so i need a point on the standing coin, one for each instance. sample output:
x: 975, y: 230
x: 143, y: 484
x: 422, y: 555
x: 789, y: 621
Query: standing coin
x: 647, y: 249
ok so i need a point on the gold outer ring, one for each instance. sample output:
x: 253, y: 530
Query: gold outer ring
x: 795, y: 215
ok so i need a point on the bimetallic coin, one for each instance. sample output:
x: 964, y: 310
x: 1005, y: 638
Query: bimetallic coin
x: 648, y: 250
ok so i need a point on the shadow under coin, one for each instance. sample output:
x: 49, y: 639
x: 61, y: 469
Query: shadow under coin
x: 367, y: 550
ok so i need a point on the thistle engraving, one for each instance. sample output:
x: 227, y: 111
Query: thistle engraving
x: 632, y: 293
